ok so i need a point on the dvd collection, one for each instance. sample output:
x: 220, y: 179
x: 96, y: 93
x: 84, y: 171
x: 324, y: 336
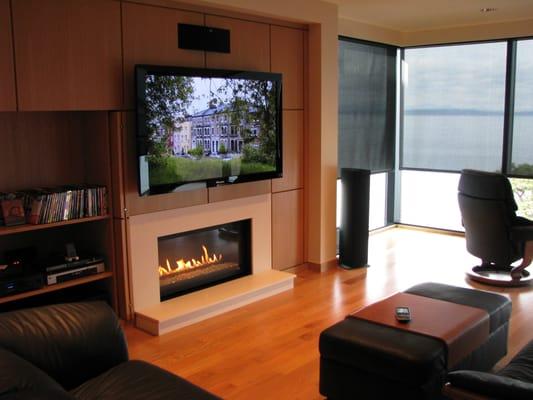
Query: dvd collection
x: 47, y: 205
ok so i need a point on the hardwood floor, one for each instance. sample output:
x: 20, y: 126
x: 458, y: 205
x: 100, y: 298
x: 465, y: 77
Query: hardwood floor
x: 269, y: 349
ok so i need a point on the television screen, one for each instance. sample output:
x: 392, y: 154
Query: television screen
x: 204, y: 127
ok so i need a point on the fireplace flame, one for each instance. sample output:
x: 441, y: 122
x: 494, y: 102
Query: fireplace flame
x: 181, y: 265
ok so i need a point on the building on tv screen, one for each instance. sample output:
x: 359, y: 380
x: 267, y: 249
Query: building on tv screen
x: 213, y: 131
x: 205, y: 128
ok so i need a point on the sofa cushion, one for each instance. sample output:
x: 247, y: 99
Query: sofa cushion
x: 521, y: 366
x: 21, y: 380
x: 491, y: 385
x: 70, y: 342
x: 139, y: 380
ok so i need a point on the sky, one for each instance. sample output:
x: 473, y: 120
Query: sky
x: 203, y: 87
x: 466, y: 77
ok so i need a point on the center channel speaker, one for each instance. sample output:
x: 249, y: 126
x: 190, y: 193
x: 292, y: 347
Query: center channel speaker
x: 355, y: 202
x: 206, y: 38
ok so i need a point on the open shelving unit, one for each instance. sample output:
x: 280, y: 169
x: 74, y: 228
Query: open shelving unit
x: 9, y: 230
x: 59, y: 286
x: 47, y: 149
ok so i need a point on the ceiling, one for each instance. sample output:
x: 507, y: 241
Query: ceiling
x: 417, y: 15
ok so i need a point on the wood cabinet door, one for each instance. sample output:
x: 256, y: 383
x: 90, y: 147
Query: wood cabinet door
x: 287, y: 53
x: 249, y: 44
x: 68, y: 54
x: 151, y: 37
x: 8, y: 100
x: 293, y: 152
x: 287, y: 229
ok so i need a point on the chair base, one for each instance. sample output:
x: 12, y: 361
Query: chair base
x: 498, y: 276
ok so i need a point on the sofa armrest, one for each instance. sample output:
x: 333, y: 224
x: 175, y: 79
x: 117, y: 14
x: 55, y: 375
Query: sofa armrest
x: 70, y: 342
x: 491, y: 385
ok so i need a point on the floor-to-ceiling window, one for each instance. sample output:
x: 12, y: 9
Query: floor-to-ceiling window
x: 367, y: 109
x: 521, y: 160
x: 377, y: 213
x: 462, y: 106
x: 453, y: 118
x: 522, y: 139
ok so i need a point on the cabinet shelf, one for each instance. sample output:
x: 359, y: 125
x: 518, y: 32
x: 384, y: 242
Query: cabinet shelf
x: 9, y: 230
x: 54, y: 150
x: 59, y: 286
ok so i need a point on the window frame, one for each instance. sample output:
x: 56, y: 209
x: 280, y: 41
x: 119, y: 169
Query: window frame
x: 393, y: 181
x: 509, y: 99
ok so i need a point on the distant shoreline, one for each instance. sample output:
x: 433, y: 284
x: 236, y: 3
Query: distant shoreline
x: 470, y: 112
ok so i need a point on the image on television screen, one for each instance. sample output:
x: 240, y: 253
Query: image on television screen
x: 201, y: 128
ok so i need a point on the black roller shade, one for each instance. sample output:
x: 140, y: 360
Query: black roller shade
x: 367, y: 103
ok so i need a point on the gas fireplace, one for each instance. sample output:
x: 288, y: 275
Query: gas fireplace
x: 194, y: 260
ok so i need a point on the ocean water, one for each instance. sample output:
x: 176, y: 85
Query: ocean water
x: 452, y: 142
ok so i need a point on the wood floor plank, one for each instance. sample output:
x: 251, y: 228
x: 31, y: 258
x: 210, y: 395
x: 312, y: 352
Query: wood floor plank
x: 269, y: 349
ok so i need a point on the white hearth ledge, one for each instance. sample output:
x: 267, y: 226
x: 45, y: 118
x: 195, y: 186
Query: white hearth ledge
x: 197, y: 306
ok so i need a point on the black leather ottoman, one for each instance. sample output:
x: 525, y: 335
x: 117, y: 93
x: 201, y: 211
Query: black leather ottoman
x: 364, y: 360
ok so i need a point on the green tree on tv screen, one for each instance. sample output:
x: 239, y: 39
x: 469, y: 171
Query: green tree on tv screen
x: 253, y: 102
x: 167, y: 99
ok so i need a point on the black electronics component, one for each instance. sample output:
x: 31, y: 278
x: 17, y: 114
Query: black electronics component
x: 21, y: 283
x: 403, y: 314
x: 64, y: 275
x: 198, y: 37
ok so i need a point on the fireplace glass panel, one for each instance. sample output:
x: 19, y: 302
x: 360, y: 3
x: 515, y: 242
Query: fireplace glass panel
x: 204, y: 257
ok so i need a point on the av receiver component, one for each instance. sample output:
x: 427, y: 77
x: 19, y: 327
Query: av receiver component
x: 63, y: 275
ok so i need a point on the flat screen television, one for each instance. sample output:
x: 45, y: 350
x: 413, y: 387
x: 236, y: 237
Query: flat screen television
x: 206, y: 127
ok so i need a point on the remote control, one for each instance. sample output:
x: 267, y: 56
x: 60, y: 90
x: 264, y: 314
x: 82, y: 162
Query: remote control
x: 403, y: 314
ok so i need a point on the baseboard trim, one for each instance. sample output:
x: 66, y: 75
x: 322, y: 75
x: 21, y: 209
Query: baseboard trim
x: 448, y: 232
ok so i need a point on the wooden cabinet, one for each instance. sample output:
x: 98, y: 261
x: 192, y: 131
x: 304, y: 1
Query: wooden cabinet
x: 288, y: 58
x: 68, y: 54
x: 287, y: 51
x: 45, y: 149
x: 249, y: 43
x: 293, y: 152
x: 287, y: 229
x: 151, y: 37
x: 8, y: 100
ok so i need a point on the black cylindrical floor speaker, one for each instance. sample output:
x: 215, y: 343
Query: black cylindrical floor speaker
x: 353, y: 240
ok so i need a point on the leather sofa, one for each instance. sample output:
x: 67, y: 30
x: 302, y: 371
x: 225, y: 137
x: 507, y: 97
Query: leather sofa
x: 78, y: 351
x: 513, y: 382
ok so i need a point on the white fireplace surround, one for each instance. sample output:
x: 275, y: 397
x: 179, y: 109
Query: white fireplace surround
x: 158, y: 317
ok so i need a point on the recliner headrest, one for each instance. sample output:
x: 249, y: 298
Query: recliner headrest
x: 486, y: 185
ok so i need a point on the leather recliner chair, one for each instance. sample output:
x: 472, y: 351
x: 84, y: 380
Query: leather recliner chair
x: 78, y: 351
x: 493, y: 231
